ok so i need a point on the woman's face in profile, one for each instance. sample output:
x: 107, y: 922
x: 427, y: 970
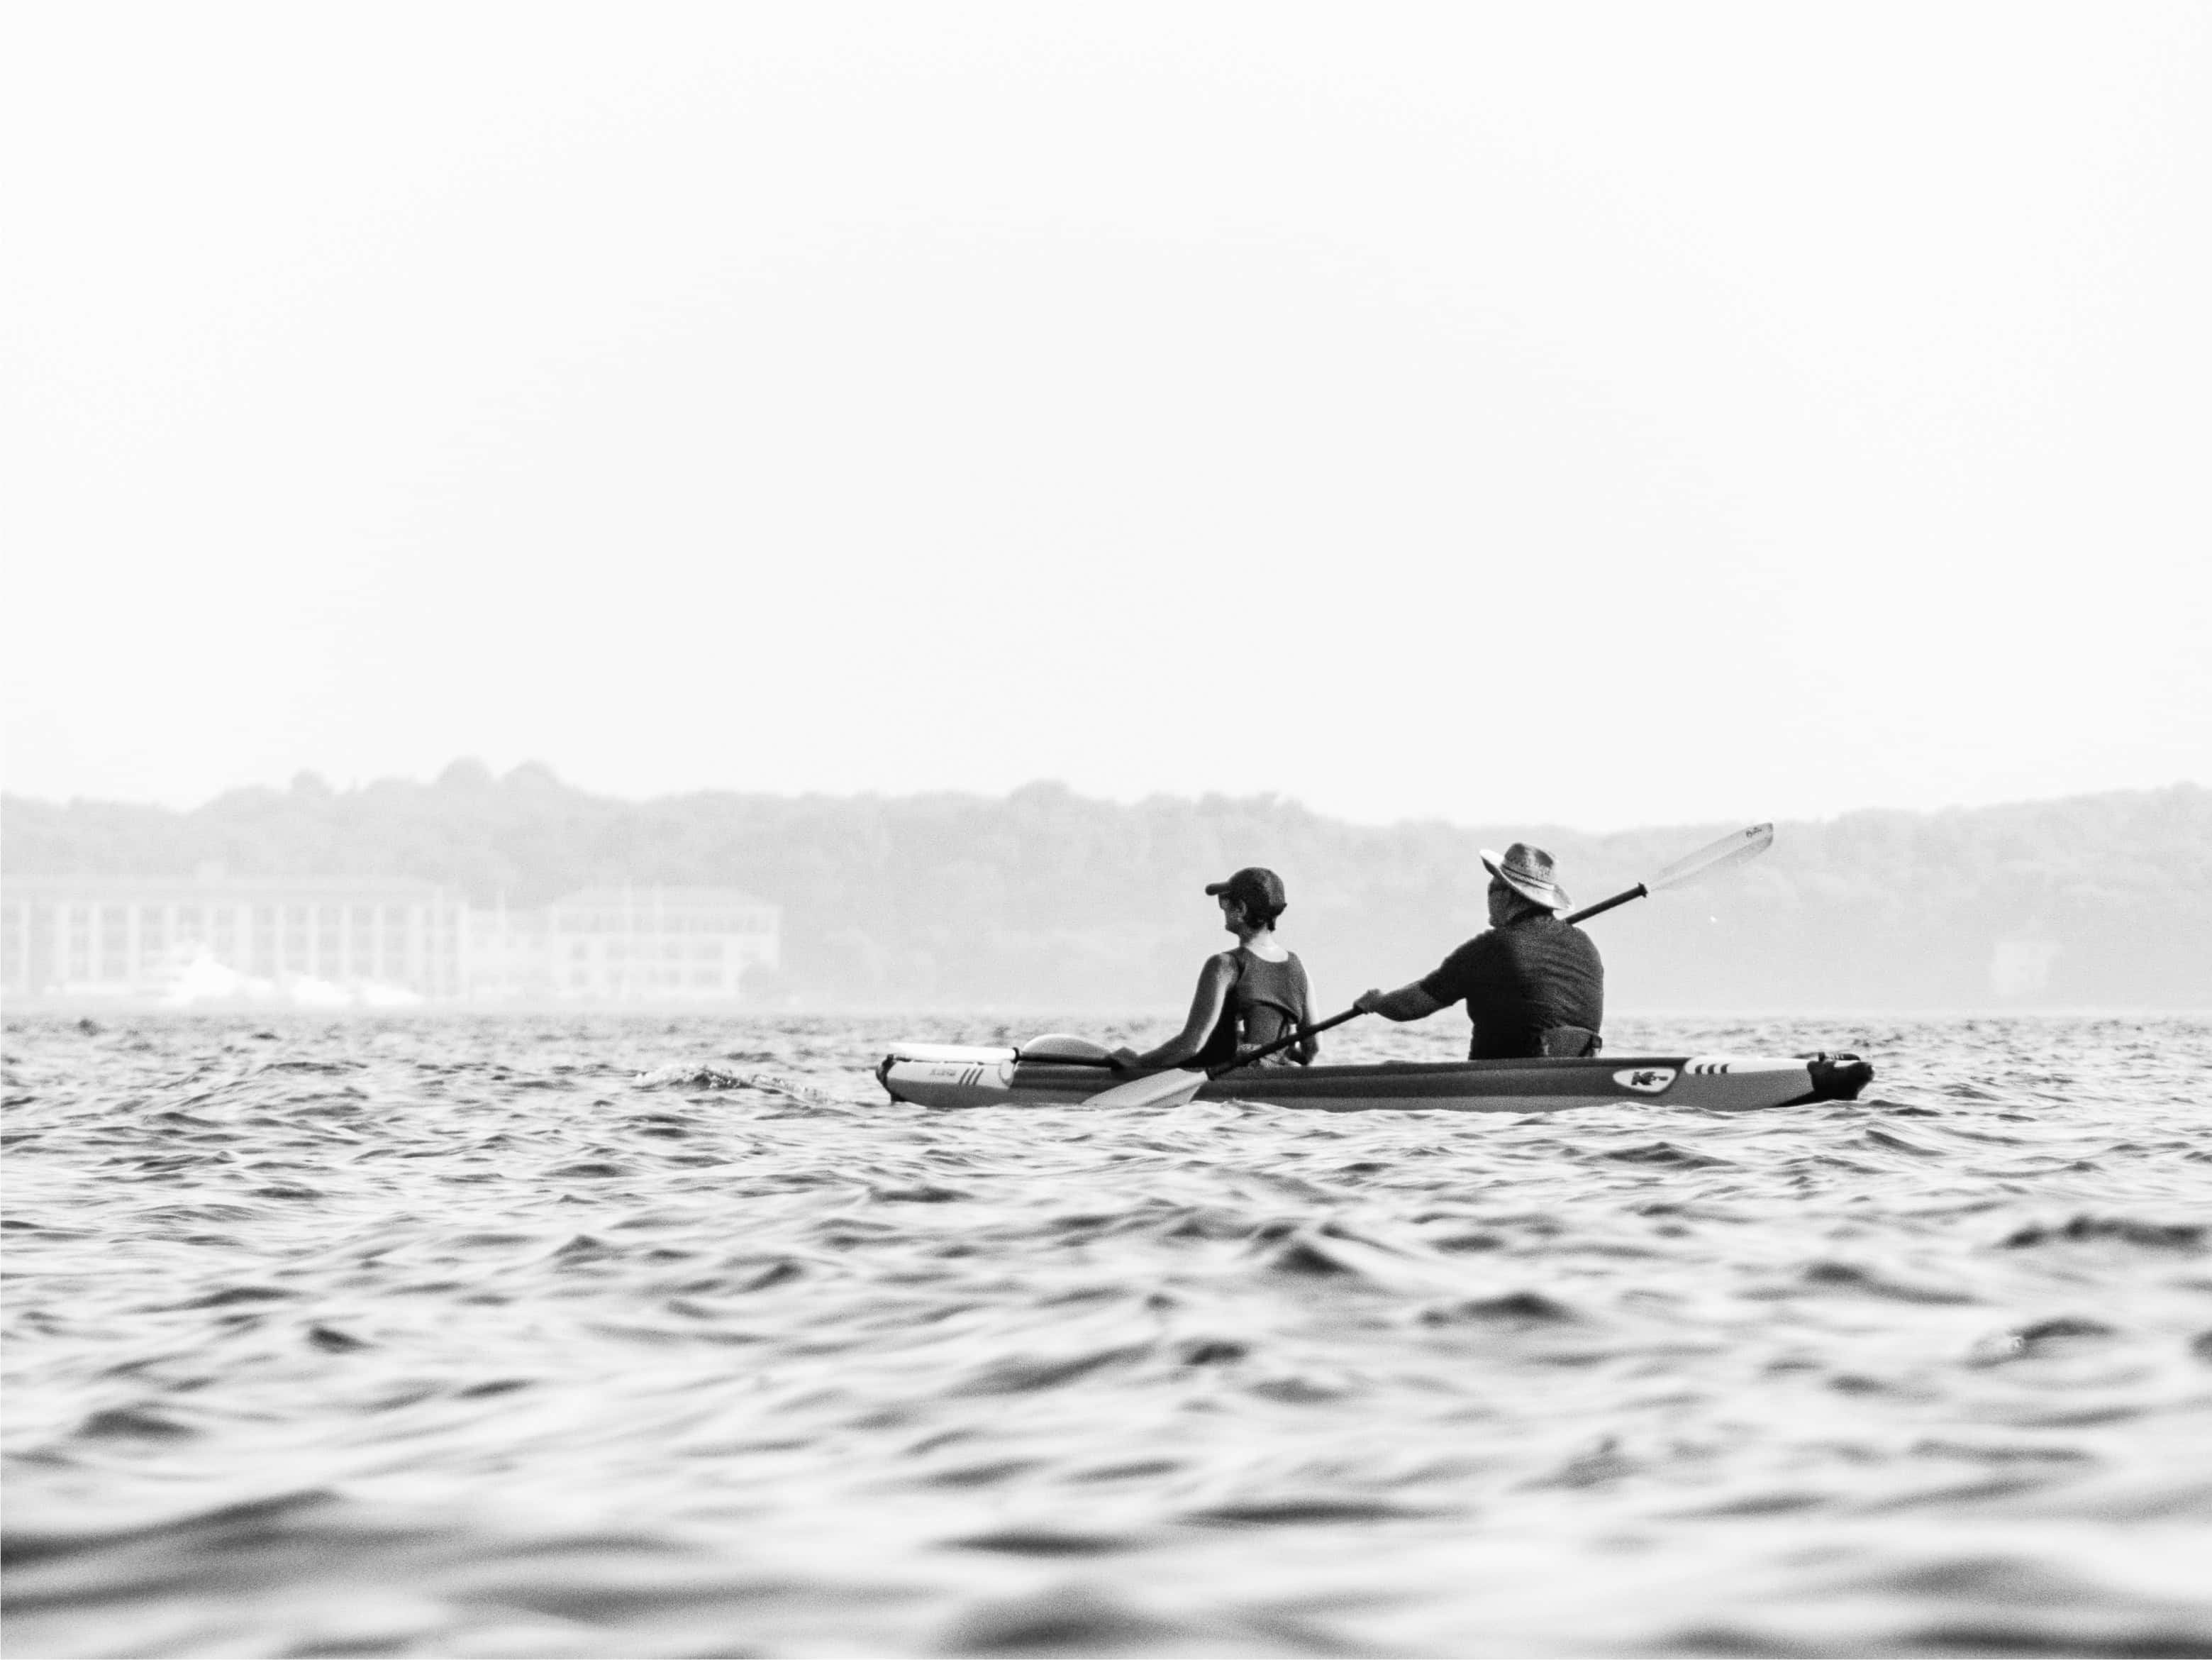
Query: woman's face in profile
x: 1232, y: 912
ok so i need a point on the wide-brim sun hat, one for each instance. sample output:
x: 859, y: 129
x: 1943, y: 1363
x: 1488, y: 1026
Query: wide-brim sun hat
x: 1527, y: 872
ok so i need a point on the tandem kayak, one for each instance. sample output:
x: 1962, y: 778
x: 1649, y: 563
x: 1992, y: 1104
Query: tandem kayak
x: 1058, y: 1070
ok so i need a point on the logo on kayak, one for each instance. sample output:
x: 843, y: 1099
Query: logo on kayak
x: 1645, y: 1080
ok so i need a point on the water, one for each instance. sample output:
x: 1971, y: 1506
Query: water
x: 442, y: 1337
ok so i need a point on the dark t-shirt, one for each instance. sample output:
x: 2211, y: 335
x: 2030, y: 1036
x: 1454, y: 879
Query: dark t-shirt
x: 1519, y: 981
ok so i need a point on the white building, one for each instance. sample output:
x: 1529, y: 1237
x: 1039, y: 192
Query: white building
x: 138, y: 936
x: 330, y: 940
x: 627, y: 945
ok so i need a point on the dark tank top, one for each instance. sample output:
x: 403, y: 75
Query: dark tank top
x: 1264, y: 1004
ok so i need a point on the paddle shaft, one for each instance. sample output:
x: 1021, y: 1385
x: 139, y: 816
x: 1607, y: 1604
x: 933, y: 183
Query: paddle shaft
x: 1282, y: 1043
x: 1622, y: 899
x: 1583, y: 916
x: 1729, y: 850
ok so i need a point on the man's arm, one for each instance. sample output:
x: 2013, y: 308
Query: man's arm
x: 1439, y: 989
x: 1408, y: 1002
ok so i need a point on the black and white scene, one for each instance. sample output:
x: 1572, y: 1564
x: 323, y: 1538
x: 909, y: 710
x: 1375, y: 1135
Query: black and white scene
x: 978, y: 829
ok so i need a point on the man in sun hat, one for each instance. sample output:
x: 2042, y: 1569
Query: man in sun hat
x: 1533, y: 984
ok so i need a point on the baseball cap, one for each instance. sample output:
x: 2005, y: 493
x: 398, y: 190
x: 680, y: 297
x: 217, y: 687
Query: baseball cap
x: 1254, y: 886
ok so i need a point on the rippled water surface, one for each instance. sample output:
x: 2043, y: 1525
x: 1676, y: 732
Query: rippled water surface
x: 446, y: 1337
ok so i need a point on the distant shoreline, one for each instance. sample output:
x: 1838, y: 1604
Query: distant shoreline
x: 1047, y: 899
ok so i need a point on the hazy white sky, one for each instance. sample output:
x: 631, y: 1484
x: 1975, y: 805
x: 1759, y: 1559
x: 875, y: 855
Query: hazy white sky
x: 1600, y: 414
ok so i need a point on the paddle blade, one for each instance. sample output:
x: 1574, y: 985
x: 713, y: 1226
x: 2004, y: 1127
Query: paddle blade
x: 1731, y: 849
x: 1156, y: 1089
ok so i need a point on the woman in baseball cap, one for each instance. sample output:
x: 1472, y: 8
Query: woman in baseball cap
x: 1251, y: 995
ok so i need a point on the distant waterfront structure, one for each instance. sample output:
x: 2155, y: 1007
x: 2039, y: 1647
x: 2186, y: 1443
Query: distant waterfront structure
x: 371, y: 941
x: 183, y: 939
x: 622, y: 946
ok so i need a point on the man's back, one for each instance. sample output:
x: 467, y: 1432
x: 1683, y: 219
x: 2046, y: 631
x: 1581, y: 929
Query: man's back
x: 1519, y: 981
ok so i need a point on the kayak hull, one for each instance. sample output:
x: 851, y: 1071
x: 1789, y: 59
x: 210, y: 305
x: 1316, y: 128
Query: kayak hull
x: 944, y: 1076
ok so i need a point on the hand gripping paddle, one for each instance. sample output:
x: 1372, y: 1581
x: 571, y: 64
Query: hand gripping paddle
x: 1173, y: 1087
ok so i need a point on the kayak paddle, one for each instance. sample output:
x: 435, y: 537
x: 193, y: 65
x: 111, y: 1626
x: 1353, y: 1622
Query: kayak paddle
x: 1731, y: 849
x: 1173, y: 1087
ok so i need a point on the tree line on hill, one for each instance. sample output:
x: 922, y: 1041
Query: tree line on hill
x: 1044, y: 898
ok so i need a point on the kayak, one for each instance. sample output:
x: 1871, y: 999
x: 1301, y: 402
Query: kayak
x: 1058, y: 1070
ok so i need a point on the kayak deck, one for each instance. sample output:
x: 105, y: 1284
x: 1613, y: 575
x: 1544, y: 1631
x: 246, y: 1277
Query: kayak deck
x: 947, y: 1076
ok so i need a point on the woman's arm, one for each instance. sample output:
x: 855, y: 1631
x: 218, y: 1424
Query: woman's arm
x: 1213, y: 982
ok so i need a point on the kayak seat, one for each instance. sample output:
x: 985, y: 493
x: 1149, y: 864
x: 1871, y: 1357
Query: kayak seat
x: 1570, y: 1042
